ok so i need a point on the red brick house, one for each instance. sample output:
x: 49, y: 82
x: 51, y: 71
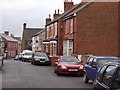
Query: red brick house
x: 93, y: 29
x: 11, y: 45
x: 53, y: 45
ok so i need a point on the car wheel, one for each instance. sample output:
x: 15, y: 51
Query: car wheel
x: 55, y: 69
x: 86, y: 78
x: 33, y: 62
x: 59, y: 74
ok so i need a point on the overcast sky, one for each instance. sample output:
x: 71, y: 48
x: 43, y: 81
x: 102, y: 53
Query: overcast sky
x: 15, y: 12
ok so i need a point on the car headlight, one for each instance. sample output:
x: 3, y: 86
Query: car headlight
x: 64, y: 67
x: 46, y: 59
x: 81, y: 67
x: 36, y: 59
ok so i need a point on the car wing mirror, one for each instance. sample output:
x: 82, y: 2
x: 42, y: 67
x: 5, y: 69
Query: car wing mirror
x: 81, y: 61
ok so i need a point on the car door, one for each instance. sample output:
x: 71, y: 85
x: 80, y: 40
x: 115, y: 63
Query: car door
x: 107, y: 77
x: 88, y: 68
x: 117, y: 79
x: 93, y: 69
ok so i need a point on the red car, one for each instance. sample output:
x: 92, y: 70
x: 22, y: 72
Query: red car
x: 68, y: 65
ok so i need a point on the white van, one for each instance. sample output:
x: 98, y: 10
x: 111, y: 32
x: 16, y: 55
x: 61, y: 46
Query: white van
x: 26, y: 55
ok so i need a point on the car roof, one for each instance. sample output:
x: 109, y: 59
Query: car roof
x: 66, y: 56
x: 39, y: 52
x: 113, y: 63
x: 104, y: 56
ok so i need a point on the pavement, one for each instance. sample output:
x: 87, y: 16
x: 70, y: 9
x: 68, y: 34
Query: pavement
x: 17, y: 74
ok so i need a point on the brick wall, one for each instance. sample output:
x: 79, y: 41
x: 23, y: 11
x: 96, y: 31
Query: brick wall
x: 97, y: 29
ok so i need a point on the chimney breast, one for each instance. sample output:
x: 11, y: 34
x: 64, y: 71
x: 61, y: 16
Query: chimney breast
x: 68, y: 4
x: 12, y: 36
x: 48, y: 19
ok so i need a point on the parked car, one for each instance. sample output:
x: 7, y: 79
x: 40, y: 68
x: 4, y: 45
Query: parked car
x: 40, y: 58
x: 68, y: 65
x: 93, y: 65
x: 1, y: 60
x: 16, y: 57
x: 108, y: 78
x: 27, y: 56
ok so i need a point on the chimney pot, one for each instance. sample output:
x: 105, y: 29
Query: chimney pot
x: 58, y: 11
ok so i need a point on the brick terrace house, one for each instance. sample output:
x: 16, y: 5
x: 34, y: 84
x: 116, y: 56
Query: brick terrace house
x: 93, y: 28
x: 1, y: 46
x: 27, y: 36
x: 19, y: 43
x: 11, y: 45
x: 37, y: 40
x: 53, y: 45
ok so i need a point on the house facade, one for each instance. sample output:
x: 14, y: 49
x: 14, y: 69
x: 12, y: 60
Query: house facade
x: 2, y: 45
x: 37, y: 41
x: 93, y: 29
x: 54, y: 30
x: 10, y: 45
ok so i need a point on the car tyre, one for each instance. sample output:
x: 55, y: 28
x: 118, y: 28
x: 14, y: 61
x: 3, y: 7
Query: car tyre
x: 86, y: 80
x: 55, y: 69
x: 33, y: 62
x: 59, y: 74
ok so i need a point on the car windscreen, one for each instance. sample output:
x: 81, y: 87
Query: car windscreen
x: 28, y: 53
x: 102, y: 61
x: 69, y: 59
x: 40, y: 54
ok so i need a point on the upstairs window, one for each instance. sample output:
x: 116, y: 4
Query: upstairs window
x: 71, y: 25
x: 55, y: 29
x: 67, y: 27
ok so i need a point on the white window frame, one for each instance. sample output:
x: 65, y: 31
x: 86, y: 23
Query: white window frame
x: 46, y: 47
x: 55, y: 29
x: 71, y: 25
x: 54, y: 49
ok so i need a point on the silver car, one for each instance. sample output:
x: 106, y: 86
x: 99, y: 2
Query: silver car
x: 1, y: 61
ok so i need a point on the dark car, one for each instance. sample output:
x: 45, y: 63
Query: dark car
x: 108, y: 77
x: 68, y: 65
x: 1, y: 61
x: 93, y: 64
x: 40, y: 58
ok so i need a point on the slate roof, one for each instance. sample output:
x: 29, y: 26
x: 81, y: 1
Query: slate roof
x: 29, y: 32
x: 77, y: 10
x: 18, y: 38
x: 67, y: 11
x: 9, y: 38
x: 41, y: 31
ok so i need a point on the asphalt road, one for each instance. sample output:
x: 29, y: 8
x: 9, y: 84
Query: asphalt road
x: 17, y: 74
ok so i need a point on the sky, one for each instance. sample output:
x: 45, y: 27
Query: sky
x: 34, y: 12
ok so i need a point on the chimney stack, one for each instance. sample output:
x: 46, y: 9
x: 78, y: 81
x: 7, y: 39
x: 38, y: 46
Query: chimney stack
x: 48, y: 19
x: 6, y: 32
x: 24, y: 26
x: 68, y: 4
x: 56, y: 14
